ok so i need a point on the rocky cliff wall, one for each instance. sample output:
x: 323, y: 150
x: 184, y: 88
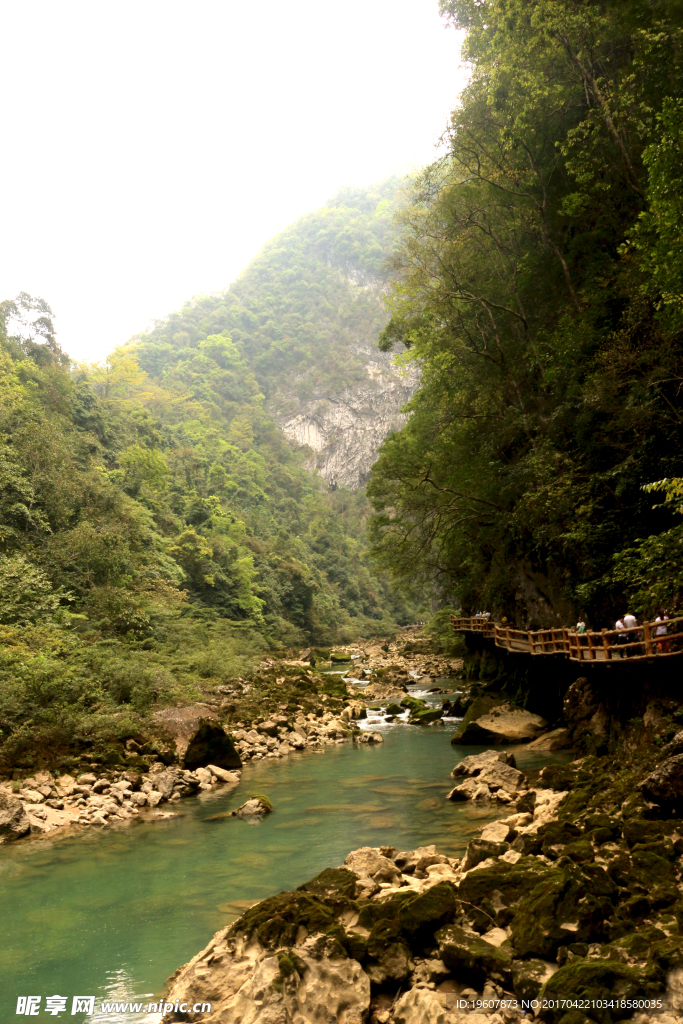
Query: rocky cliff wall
x: 344, y: 430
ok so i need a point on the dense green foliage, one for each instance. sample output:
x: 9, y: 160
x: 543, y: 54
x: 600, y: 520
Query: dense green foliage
x: 157, y: 531
x: 539, y: 286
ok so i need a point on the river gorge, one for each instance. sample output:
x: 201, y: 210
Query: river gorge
x: 113, y: 912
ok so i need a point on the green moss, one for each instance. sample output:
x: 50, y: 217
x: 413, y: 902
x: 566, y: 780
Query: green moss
x: 528, y: 977
x: 593, y: 980
x: 512, y: 881
x: 264, y: 800
x: 276, y: 920
x: 425, y: 717
x: 579, y: 899
x: 471, y: 960
x: 429, y: 909
x: 332, y: 882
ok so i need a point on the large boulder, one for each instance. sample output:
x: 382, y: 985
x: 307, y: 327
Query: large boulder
x: 664, y: 786
x: 14, y: 822
x: 473, y: 764
x: 479, y: 706
x: 502, y: 776
x: 503, y: 724
x: 198, y: 737
x: 556, y: 739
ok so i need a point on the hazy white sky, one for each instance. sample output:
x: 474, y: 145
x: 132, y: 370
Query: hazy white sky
x: 152, y: 146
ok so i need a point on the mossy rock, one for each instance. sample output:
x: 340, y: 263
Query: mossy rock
x: 428, y: 910
x: 414, y: 704
x: 374, y: 910
x: 264, y: 800
x: 393, y: 709
x: 594, y: 980
x: 332, y: 882
x: 425, y: 717
x: 513, y: 882
x: 580, y: 852
x: 471, y: 960
x: 334, y: 686
x: 479, y: 850
x: 339, y: 656
x: 654, y: 861
x: 277, y: 919
x: 558, y: 777
x: 639, y: 831
x: 568, y: 903
x: 528, y: 977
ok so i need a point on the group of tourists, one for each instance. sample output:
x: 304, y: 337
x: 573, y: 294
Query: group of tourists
x: 627, y: 626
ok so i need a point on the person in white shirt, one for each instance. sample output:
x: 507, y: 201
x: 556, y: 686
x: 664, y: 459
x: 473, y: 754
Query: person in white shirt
x: 622, y: 638
x: 661, y: 631
x: 630, y: 624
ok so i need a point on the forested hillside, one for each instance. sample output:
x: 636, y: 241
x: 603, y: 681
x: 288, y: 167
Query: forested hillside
x: 301, y: 307
x: 539, y: 284
x: 305, y: 315
x: 157, y: 528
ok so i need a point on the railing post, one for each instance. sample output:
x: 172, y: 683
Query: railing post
x: 591, y: 650
x: 508, y: 638
x: 605, y: 646
x: 565, y: 640
x: 531, y: 642
x: 647, y: 633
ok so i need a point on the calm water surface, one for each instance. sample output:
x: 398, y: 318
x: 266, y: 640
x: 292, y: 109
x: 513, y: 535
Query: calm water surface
x: 114, y: 912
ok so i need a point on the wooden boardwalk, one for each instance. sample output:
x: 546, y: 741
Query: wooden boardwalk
x: 611, y: 645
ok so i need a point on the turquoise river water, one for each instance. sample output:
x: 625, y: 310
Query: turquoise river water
x: 113, y: 912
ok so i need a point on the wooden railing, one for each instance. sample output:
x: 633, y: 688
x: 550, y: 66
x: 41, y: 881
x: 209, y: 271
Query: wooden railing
x: 608, y: 645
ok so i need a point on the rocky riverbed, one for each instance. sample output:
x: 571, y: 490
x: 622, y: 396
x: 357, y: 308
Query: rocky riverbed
x: 573, y: 899
x: 286, y: 706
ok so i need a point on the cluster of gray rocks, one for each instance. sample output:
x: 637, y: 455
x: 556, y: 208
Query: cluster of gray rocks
x: 279, y: 735
x: 44, y: 802
x: 491, y: 775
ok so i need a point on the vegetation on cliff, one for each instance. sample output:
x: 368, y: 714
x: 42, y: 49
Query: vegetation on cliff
x: 538, y: 285
x: 157, y: 532
x: 302, y: 307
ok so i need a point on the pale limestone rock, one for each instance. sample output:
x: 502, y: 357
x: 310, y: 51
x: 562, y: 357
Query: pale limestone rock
x: 223, y: 775
x: 245, y: 986
x: 512, y: 725
x: 344, y: 430
x: 495, y: 832
x: 470, y: 789
x: 14, y: 822
x: 419, y: 1006
x: 367, y: 862
x: 545, y: 809
x: 254, y: 808
x: 502, y: 776
x: 473, y: 764
x: 556, y: 739
x: 32, y: 796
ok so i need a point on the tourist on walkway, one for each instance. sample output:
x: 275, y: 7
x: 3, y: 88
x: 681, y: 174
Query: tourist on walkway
x: 581, y: 630
x: 661, y: 631
x: 622, y: 637
x: 630, y: 624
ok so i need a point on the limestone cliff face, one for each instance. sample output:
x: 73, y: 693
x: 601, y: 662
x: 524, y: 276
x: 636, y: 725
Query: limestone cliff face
x: 344, y: 430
